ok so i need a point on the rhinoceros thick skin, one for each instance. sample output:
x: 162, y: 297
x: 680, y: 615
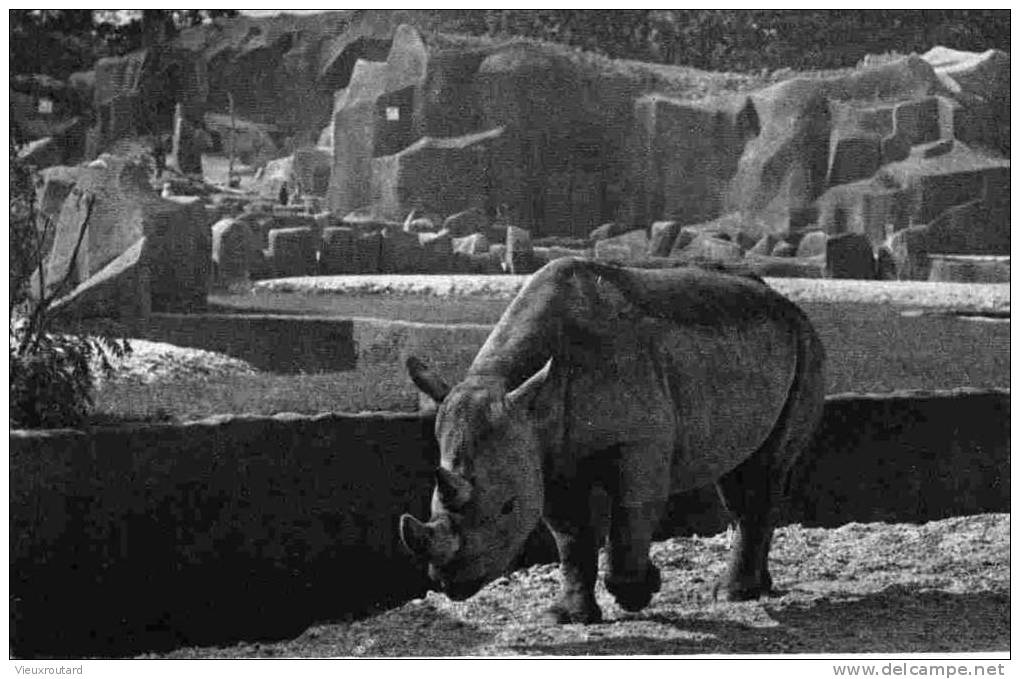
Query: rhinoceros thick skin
x: 640, y: 382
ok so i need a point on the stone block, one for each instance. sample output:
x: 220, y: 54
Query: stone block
x: 906, y: 253
x: 765, y: 245
x: 233, y: 251
x: 607, y: 230
x: 628, y: 247
x: 864, y: 207
x: 853, y: 157
x: 786, y: 267
x: 784, y: 249
x: 811, y: 244
x: 437, y: 252
x: 849, y: 255
x: 368, y: 252
x: 706, y: 248
x: 466, y: 222
x: 474, y: 244
x: 663, y: 236
x: 683, y: 239
x: 338, y: 251
x: 420, y: 225
x: 401, y: 252
x: 519, y: 255
x: 917, y: 121
x: 292, y: 252
x: 544, y: 255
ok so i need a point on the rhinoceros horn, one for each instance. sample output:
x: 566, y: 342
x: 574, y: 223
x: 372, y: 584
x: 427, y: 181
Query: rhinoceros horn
x: 524, y: 395
x: 433, y: 540
x: 426, y: 380
x: 454, y: 489
x: 415, y: 535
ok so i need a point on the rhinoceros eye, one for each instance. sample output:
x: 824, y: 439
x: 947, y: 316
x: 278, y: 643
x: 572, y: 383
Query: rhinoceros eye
x: 508, y: 506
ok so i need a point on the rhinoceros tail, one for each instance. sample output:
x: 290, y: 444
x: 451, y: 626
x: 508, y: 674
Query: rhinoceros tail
x: 802, y: 412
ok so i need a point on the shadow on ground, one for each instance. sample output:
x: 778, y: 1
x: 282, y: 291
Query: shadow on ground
x: 898, y: 619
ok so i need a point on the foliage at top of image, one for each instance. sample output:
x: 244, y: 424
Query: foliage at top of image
x: 59, y: 42
x: 51, y: 373
x: 752, y: 40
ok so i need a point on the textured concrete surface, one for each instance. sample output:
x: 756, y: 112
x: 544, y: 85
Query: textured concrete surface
x: 978, y: 298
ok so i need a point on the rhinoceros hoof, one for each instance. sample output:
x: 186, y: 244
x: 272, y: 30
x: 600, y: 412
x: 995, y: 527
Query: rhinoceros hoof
x: 725, y: 590
x: 568, y: 610
x: 633, y: 596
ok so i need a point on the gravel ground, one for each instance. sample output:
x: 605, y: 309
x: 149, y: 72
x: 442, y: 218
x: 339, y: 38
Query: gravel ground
x: 150, y: 362
x: 861, y: 588
x: 970, y: 297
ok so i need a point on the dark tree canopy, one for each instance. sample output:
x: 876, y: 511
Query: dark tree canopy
x: 58, y: 42
x: 748, y: 40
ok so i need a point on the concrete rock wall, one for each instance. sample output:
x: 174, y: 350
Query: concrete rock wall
x: 869, y: 151
x: 131, y: 235
x: 150, y: 537
x: 147, y: 537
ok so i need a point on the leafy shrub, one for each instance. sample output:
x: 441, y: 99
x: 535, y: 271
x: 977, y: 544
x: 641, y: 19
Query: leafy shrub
x: 750, y: 40
x: 51, y: 373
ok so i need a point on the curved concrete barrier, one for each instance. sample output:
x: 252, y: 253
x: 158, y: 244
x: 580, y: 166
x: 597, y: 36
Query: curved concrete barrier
x: 969, y: 269
x: 973, y: 297
x: 147, y: 537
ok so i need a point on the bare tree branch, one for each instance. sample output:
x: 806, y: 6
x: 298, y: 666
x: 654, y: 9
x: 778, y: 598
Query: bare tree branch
x: 39, y: 318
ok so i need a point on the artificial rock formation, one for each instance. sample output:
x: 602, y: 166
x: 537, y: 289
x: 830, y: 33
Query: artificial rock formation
x: 139, y: 251
x: 559, y: 142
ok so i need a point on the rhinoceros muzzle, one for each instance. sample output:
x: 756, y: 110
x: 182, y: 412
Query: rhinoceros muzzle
x: 459, y: 591
x: 436, y: 540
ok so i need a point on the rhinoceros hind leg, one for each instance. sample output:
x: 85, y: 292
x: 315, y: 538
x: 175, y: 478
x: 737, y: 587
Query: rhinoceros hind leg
x: 750, y: 493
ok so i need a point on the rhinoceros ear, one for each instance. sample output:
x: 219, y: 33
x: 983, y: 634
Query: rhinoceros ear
x: 426, y: 380
x: 524, y: 395
x: 415, y: 535
x: 454, y: 489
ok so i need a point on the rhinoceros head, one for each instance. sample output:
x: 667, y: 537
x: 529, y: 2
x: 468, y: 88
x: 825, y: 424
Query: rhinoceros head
x: 488, y: 495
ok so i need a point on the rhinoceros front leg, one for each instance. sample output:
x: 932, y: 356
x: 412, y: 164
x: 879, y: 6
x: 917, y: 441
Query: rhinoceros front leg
x: 569, y: 519
x: 639, y: 494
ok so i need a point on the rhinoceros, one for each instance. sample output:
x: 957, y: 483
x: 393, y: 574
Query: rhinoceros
x: 643, y: 382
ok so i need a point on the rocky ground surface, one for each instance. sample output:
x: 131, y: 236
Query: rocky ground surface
x: 151, y: 362
x: 970, y: 297
x: 861, y: 588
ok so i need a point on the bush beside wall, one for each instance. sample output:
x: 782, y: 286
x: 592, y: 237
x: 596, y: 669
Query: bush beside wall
x: 148, y: 537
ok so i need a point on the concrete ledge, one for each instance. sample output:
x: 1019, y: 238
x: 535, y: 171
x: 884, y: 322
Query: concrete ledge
x: 974, y: 297
x: 969, y: 268
x: 148, y: 537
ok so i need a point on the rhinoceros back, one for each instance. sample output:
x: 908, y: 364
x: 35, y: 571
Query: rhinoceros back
x: 700, y: 363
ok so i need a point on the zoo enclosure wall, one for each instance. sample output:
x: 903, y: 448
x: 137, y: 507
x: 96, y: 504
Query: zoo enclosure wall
x: 147, y: 537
